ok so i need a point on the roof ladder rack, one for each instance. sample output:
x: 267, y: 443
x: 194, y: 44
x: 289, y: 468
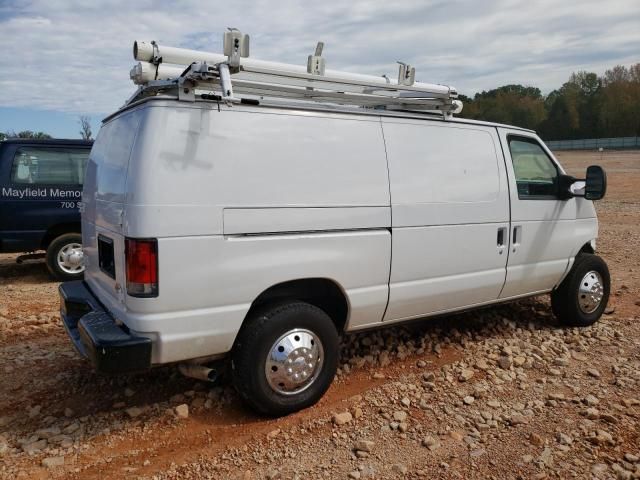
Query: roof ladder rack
x: 165, y: 69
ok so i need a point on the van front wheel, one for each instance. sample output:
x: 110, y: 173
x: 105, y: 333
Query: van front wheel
x: 581, y: 298
x: 285, y: 358
x: 65, y: 258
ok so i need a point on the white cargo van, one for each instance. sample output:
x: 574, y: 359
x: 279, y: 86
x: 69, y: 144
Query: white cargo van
x: 260, y: 230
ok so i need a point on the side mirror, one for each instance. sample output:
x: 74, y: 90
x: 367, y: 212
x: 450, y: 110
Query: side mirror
x: 592, y: 188
x: 595, y: 183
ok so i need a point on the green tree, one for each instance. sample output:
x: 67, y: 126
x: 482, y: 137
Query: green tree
x: 573, y: 109
x: 620, y: 102
x: 562, y: 120
x: 617, y: 75
x: 517, y: 90
x: 511, y: 104
x: 587, y: 82
x: 588, y: 87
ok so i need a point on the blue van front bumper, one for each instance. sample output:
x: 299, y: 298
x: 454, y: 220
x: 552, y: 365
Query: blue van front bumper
x: 110, y: 347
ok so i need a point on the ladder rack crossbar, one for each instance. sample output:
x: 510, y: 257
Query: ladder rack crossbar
x: 444, y: 92
x: 351, y: 98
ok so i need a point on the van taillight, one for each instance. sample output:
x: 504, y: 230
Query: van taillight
x: 142, y: 267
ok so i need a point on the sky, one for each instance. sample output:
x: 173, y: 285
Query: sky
x: 62, y: 59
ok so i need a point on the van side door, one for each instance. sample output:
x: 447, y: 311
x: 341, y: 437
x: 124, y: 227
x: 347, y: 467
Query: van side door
x: 542, y: 234
x: 450, y: 216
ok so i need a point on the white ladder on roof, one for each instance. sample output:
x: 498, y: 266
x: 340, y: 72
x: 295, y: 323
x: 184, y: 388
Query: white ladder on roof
x: 233, y: 73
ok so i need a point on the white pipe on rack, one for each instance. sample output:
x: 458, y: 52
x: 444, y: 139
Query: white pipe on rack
x: 144, y: 72
x: 145, y: 52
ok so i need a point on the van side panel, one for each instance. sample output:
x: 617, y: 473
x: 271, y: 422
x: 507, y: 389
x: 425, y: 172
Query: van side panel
x: 242, y: 199
x: 450, y: 200
x: 198, y: 165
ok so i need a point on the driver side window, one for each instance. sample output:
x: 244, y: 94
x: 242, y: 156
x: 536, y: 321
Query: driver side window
x: 536, y: 174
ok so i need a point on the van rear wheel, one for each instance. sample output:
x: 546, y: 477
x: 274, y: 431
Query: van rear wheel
x: 65, y: 258
x: 581, y: 298
x: 285, y: 358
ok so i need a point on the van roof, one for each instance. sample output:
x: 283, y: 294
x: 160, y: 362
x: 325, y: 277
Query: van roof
x: 323, y: 107
x: 48, y: 141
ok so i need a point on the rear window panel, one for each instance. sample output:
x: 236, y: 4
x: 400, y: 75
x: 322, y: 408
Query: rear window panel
x: 49, y: 166
x: 110, y: 157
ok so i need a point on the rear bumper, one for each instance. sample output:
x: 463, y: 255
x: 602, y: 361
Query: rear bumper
x: 110, y: 347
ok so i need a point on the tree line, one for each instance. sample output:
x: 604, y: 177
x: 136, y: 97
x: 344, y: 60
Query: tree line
x: 586, y: 106
x: 83, y: 120
x: 24, y: 134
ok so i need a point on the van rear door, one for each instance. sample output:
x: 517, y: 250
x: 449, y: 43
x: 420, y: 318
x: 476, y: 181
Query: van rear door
x: 104, y: 199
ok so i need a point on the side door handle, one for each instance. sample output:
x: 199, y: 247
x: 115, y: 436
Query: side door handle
x: 501, y: 240
x: 516, y: 239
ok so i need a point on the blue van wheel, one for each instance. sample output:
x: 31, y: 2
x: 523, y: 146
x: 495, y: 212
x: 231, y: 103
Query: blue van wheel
x: 65, y: 258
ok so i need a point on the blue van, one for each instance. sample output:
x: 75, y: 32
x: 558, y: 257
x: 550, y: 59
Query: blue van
x: 40, y: 199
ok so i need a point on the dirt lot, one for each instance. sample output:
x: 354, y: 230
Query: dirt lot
x: 499, y: 393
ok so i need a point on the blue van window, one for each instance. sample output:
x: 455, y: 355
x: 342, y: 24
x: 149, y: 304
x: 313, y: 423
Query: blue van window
x: 49, y: 166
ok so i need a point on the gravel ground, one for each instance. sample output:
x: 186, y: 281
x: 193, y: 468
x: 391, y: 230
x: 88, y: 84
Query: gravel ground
x: 502, y: 392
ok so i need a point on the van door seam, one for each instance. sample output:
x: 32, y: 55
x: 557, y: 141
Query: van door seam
x: 386, y: 156
x: 506, y: 173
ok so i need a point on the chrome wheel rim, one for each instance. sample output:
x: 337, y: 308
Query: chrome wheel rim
x: 294, y: 362
x: 590, y: 292
x: 70, y: 258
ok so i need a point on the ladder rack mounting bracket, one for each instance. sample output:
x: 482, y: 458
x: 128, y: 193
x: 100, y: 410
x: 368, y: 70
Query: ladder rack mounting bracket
x: 236, y: 46
x: 315, y: 62
x: 406, y: 74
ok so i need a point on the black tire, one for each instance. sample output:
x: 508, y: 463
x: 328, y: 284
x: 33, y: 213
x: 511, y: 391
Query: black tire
x: 255, y: 340
x: 54, y: 249
x: 565, y: 298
